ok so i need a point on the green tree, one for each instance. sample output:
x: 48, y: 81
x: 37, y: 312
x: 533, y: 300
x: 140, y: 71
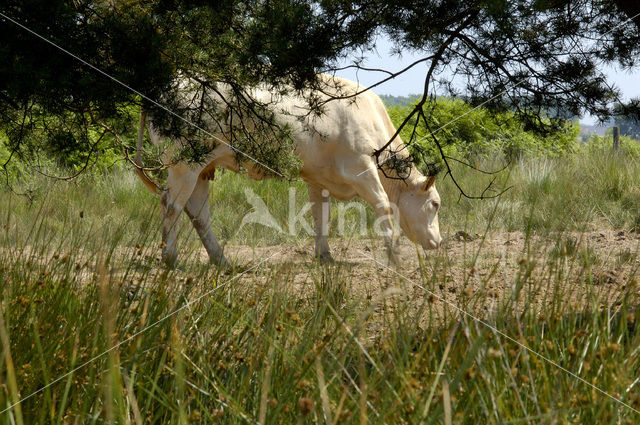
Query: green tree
x: 531, y: 57
x: 53, y: 102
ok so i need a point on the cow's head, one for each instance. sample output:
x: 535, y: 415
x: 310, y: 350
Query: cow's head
x: 418, y: 205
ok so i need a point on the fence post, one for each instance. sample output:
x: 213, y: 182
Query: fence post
x: 616, y: 138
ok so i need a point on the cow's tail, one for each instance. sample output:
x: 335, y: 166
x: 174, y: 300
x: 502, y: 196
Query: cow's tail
x: 137, y: 160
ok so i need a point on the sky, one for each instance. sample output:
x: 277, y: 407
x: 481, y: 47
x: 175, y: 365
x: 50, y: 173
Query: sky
x: 412, y: 81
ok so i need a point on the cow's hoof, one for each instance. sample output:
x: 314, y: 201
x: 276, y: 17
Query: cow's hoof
x: 170, y: 259
x: 325, y: 258
x: 222, y: 263
x: 217, y: 258
x: 393, y: 257
x: 238, y: 268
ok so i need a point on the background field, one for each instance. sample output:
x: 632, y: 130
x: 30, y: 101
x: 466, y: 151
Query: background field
x: 550, y: 265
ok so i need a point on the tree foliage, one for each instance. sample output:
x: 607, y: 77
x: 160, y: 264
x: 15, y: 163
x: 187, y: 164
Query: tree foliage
x: 541, y: 59
x: 628, y: 126
x: 50, y: 99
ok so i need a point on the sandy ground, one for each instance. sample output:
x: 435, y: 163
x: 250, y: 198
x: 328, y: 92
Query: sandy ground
x: 472, y: 271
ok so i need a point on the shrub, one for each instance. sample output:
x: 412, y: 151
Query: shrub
x: 477, y: 133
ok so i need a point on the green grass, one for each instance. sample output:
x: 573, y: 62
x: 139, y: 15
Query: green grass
x: 578, y: 192
x: 83, y: 291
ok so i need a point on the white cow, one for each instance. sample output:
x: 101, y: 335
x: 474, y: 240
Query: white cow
x: 336, y: 152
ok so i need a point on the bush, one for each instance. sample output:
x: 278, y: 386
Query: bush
x: 477, y: 133
x: 64, y: 151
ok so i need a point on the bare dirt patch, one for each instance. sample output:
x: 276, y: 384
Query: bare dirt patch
x: 472, y: 271
x: 477, y: 273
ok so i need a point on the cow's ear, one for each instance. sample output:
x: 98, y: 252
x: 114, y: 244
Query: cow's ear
x: 430, y: 181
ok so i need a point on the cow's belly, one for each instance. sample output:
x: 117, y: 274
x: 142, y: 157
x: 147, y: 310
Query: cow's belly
x: 330, y: 180
x: 314, y: 171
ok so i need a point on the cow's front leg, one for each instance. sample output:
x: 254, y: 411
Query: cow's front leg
x: 371, y: 191
x: 320, y: 203
x: 384, y: 223
x: 197, y: 209
x: 180, y: 185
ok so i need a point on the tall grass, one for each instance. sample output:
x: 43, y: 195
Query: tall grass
x: 99, y: 332
x: 577, y: 192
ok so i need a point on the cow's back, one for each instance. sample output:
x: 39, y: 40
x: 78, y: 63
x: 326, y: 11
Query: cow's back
x: 359, y: 124
x: 338, y: 144
x: 335, y: 146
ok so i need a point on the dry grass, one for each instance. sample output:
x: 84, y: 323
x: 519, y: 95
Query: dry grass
x: 99, y: 332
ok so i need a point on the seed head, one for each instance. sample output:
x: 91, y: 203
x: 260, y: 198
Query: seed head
x: 493, y: 353
x: 306, y: 405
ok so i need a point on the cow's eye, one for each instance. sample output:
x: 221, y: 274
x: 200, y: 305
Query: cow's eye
x: 436, y: 205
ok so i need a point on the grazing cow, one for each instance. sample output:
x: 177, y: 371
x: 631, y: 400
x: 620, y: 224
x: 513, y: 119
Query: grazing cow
x: 335, y: 149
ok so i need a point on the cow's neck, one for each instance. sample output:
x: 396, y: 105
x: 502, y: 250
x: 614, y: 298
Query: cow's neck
x: 393, y: 185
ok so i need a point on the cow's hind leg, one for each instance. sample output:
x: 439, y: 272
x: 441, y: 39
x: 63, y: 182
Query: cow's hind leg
x: 197, y: 209
x: 180, y: 184
x: 320, y: 203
